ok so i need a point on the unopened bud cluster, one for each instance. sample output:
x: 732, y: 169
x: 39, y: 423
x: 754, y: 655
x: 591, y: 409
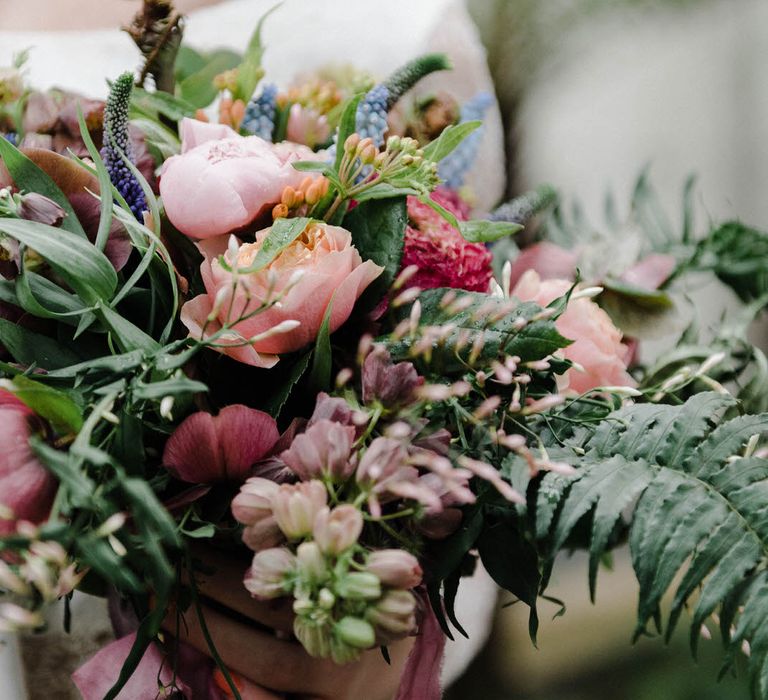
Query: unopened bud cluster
x: 345, y: 597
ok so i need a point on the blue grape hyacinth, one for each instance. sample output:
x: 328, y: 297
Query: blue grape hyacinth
x: 454, y: 167
x: 259, y: 118
x: 12, y: 137
x: 371, y: 117
x: 117, y: 140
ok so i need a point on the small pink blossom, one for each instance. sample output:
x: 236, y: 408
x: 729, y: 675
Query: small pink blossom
x: 443, y: 257
x: 596, y: 347
x: 269, y: 571
x: 206, y: 448
x: 319, y: 268
x: 27, y: 488
x: 295, y: 507
x: 324, y: 449
x: 337, y: 530
x: 254, y: 502
x: 395, y: 568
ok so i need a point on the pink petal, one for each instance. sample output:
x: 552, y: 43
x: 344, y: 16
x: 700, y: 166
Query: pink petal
x: 650, y: 272
x: 245, y: 436
x: 548, y: 259
x: 192, y: 453
x: 194, y: 132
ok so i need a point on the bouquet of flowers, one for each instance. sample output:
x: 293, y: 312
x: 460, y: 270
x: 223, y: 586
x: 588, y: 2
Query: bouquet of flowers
x: 258, y: 329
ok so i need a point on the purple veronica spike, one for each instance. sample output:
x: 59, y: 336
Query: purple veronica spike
x: 117, y: 140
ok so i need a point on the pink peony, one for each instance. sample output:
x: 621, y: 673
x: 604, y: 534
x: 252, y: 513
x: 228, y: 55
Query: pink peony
x: 223, y: 182
x: 322, y: 265
x: 27, y: 488
x: 441, y: 254
x: 597, y: 345
x: 207, y: 448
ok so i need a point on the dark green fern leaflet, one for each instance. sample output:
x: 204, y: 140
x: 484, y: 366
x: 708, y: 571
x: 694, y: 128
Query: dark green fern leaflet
x: 700, y: 516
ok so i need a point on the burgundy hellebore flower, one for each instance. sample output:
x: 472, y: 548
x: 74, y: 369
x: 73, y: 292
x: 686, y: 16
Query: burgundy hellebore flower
x: 392, y: 384
x: 206, y: 448
x: 27, y: 488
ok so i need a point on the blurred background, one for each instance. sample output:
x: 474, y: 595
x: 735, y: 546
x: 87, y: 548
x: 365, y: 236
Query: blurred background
x: 590, y: 92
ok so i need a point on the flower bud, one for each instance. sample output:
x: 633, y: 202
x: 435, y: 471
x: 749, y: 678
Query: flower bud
x: 359, y: 585
x: 351, y: 143
x: 325, y: 599
x: 356, y: 632
x: 312, y: 564
x: 37, y: 207
x: 394, y: 615
x: 338, y: 529
x: 14, y: 618
x: 343, y: 653
x: 263, y: 534
x: 296, y: 505
x: 269, y: 572
x: 314, y: 637
x: 395, y: 568
x: 254, y: 501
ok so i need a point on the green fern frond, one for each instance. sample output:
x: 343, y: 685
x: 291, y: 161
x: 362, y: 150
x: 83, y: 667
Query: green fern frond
x: 701, y: 516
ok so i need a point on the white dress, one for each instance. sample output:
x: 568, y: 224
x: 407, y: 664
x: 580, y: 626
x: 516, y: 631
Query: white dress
x: 372, y: 35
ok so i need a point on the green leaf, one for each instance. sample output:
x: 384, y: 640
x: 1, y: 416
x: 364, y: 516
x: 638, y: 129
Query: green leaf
x: 347, y: 127
x: 320, y: 375
x: 77, y: 483
x: 55, y: 406
x: 30, y: 348
x: 161, y: 102
x: 198, y: 89
x: 511, y: 560
x: 479, y: 231
x: 277, y: 398
x: 168, y: 387
x: 378, y: 233
x: 249, y: 72
x: 449, y: 138
x: 84, y: 268
x: 28, y: 177
x: 282, y: 233
x: 700, y: 523
x: 311, y: 166
x: 495, y: 320
x: 127, y: 336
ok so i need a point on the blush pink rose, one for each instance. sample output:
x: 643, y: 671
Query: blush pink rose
x: 331, y: 269
x: 223, y: 182
x: 596, y: 346
x: 27, y: 488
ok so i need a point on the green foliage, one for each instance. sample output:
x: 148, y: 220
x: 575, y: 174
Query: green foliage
x: 496, y: 326
x: 405, y: 77
x: 282, y: 233
x: 378, y: 233
x: 699, y: 519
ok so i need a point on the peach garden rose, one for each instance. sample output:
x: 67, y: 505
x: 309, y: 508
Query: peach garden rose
x: 320, y: 267
x: 597, y: 345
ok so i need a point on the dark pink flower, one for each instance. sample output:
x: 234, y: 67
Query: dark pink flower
x: 27, y: 488
x: 441, y: 254
x: 207, y: 448
x: 392, y: 384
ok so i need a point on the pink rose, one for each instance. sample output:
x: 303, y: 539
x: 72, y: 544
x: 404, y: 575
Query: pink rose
x: 330, y: 269
x: 597, y: 345
x: 223, y: 182
x: 27, y: 488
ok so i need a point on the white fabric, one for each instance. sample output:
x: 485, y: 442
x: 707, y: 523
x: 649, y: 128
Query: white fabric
x: 372, y: 35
